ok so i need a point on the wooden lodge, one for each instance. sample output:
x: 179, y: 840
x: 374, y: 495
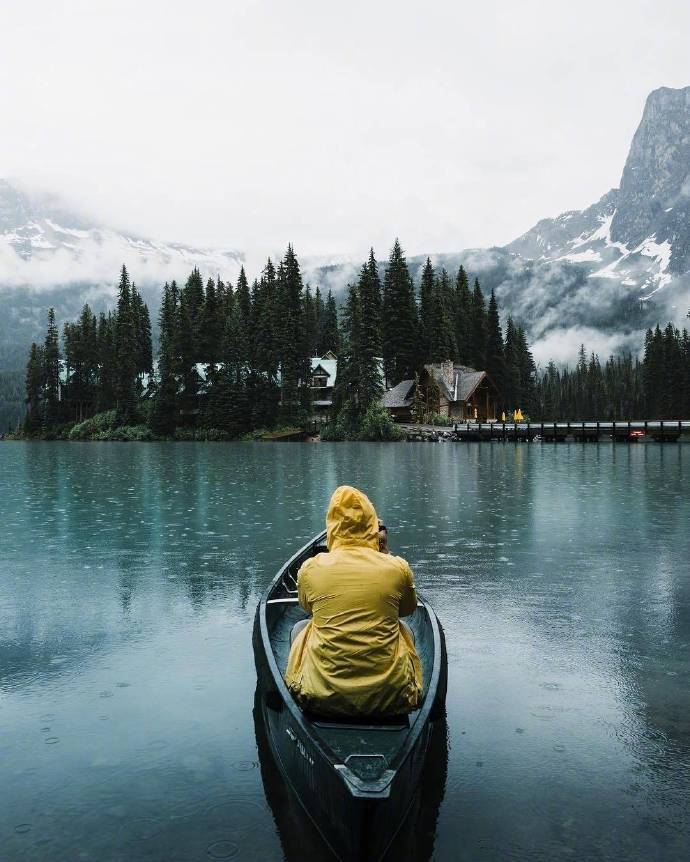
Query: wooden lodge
x: 460, y: 392
x: 324, y: 370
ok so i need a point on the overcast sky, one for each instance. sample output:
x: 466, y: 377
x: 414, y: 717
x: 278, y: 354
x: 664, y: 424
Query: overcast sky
x: 331, y: 125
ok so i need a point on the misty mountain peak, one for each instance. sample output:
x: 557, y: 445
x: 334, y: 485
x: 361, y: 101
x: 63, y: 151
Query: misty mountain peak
x: 654, y: 196
x: 44, y: 244
x: 15, y: 208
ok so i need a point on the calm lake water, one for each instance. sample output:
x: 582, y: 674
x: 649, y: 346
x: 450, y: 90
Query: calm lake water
x: 129, y: 577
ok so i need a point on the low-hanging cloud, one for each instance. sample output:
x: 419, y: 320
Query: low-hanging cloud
x: 96, y: 257
x: 561, y: 345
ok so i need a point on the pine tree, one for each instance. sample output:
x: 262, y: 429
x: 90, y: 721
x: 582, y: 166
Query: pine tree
x: 442, y: 337
x: 347, y: 395
x: 673, y: 372
x: 495, y: 358
x: 165, y: 409
x: 212, y: 326
x: 295, y: 363
x: 125, y: 353
x: 235, y: 350
x: 186, y: 343
x: 319, y: 313
x: 330, y: 334
x: 35, y: 379
x: 243, y: 297
x: 51, y: 372
x: 528, y: 372
x: 369, y: 347
x: 596, y: 394
x: 81, y: 360
x: 221, y: 297
x: 512, y: 390
x: 478, y: 328
x: 263, y: 396
x: 684, y: 400
x: 463, y: 318
x: 427, y: 311
x: 654, y: 373
x: 266, y: 347
x: 142, y: 333
x: 263, y: 391
x: 400, y: 326
x: 192, y: 297
x: 311, y: 322
x: 228, y: 303
x: 105, y: 397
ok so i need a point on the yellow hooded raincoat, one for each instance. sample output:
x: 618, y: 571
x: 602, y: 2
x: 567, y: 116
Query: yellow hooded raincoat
x: 354, y: 658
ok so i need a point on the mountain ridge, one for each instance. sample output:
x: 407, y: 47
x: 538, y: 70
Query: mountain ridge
x: 603, y: 273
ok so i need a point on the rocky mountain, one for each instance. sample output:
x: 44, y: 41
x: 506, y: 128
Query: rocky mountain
x: 603, y: 274
x: 639, y: 233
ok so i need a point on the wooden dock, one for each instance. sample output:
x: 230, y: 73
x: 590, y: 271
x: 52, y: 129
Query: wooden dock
x: 659, y: 430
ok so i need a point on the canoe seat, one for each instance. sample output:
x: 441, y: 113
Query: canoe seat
x: 365, y: 722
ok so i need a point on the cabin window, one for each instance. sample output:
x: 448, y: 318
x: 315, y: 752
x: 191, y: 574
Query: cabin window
x: 319, y: 381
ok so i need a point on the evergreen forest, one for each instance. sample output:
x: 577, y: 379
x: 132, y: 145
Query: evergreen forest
x: 234, y: 359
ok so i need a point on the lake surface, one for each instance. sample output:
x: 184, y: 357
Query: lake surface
x: 129, y: 577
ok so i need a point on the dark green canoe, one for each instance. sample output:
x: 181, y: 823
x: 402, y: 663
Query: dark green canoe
x: 356, y: 779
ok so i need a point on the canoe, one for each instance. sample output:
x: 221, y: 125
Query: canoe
x: 355, y: 778
x: 299, y: 838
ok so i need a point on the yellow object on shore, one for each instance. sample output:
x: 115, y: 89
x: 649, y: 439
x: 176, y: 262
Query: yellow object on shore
x: 354, y: 657
x: 503, y: 416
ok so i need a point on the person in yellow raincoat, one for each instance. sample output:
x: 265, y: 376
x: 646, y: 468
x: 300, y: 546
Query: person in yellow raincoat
x: 354, y: 656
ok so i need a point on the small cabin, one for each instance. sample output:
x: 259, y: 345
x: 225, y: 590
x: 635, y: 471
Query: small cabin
x: 324, y: 370
x: 459, y: 392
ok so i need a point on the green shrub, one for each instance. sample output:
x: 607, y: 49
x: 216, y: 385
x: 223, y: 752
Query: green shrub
x: 89, y: 429
x: 439, y: 419
x: 334, y: 431
x: 256, y: 434
x: 213, y: 435
x: 184, y: 434
x: 377, y: 424
x: 125, y: 434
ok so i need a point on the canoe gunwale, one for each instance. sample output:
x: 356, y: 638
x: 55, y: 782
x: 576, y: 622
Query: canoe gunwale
x: 357, y: 788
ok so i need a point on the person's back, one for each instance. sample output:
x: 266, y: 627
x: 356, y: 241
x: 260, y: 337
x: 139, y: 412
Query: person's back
x: 354, y: 657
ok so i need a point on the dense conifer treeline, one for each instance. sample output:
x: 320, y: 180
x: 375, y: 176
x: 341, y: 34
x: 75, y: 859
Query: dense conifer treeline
x: 389, y: 322
x: 233, y: 358
x: 656, y: 387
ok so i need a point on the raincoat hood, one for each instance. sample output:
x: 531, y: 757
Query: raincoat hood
x: 351, y: 520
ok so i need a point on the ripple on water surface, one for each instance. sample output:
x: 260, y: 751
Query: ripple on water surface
x: 129, y: 581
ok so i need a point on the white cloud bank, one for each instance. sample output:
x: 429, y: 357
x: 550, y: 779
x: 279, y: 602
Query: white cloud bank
x: 561, y: 345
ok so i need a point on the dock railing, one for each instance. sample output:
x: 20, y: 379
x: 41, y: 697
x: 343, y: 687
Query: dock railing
x: 662, y: 430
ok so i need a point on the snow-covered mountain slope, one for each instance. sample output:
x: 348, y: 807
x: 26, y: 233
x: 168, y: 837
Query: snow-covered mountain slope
x: 603, y: 274
x: 639, y: 234
x: 50, y: 257
x: 41, y: 247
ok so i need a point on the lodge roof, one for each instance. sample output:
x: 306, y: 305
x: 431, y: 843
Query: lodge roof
x: 458, y: 383
x: 329, y: 366
x: 398, y: 396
